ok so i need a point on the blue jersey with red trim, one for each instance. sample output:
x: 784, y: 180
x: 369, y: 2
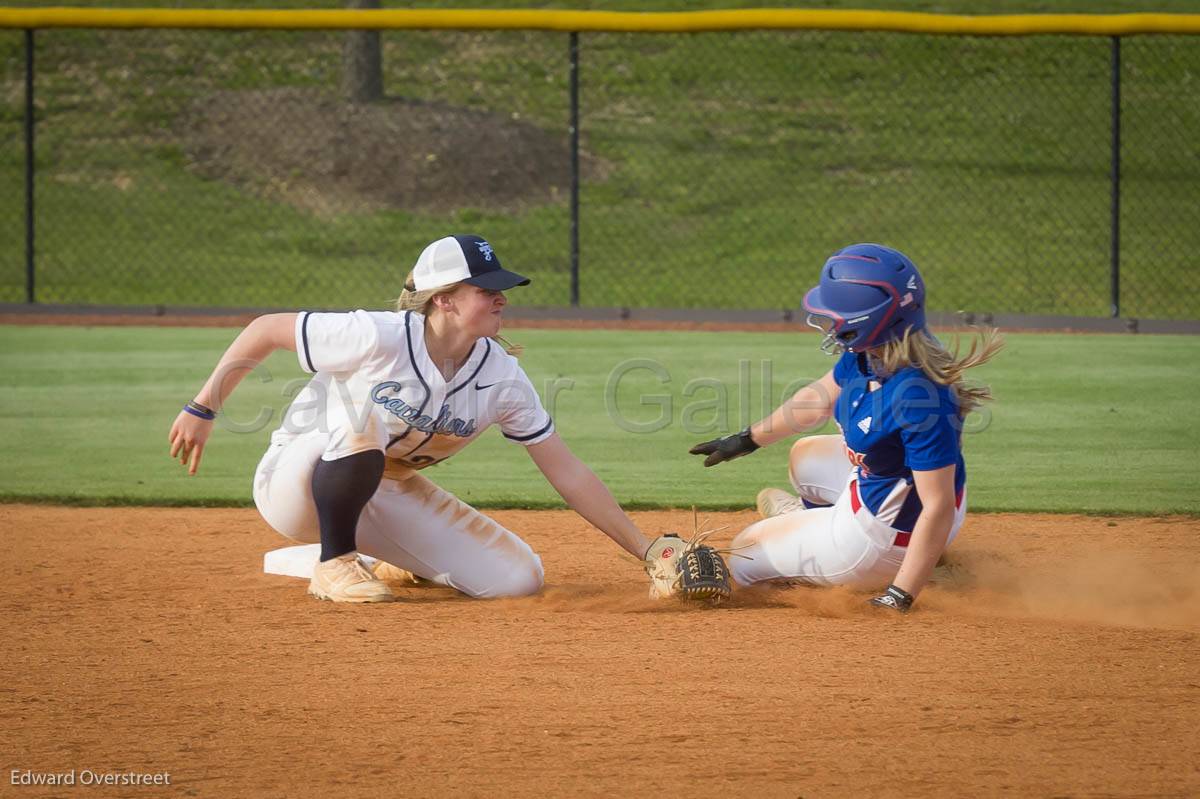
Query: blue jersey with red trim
x: 892, y: 427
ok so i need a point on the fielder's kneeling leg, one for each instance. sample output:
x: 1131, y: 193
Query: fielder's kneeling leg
x: 421, y: 527
x: 341, y: 489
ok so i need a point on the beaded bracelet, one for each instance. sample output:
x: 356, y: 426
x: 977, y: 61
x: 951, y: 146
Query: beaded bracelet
x: 196, y: 409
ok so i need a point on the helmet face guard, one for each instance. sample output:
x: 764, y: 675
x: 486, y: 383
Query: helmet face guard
x: 829, y: 326
x: 868, y: 295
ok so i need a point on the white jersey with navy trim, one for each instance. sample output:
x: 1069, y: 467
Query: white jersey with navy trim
x: 375, y: 387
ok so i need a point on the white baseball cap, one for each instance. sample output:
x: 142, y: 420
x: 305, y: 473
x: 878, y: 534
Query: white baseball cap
x: 466, y: 259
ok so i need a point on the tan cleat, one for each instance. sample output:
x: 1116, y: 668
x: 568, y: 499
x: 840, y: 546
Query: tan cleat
x: 347, y: 579
x: 776, y: 502
x: 391, y: 573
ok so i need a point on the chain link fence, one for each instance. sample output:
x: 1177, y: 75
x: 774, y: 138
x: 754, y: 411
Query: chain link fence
x: 717, y: 170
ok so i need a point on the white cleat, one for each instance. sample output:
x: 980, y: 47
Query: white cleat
x: 347, y: 579
x: 776, y: 502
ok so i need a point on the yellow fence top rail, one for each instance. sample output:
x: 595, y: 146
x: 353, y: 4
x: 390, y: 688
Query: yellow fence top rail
x: 641, y: 22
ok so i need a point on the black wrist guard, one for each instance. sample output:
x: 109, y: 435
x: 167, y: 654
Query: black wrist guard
x: 895, y: 598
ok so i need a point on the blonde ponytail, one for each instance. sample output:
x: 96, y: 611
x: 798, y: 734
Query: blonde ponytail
x: 511, y: 347
x: 420, y: 301
x: 412, y: 300
x: 921, y: 349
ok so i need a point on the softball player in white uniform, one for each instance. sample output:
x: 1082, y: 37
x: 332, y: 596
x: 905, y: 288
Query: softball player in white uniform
x: 881, y: 501
x: 394, y: 393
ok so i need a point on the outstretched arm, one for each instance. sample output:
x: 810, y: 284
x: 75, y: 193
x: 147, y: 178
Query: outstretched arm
x: 261, y: 337
x: 586, y: 494
x: 807, y: 409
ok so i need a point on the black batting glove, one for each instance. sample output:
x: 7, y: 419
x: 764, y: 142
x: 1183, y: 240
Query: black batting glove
x: 894, y: 598
x: 725, y: 449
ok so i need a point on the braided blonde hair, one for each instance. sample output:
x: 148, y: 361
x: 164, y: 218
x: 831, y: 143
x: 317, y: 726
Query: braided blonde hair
x: 921, y: 349
x: 420, y: 301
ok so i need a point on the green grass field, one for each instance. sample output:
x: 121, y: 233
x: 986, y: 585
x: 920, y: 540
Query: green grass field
x: 733, y: 161
x: 1098, y: 424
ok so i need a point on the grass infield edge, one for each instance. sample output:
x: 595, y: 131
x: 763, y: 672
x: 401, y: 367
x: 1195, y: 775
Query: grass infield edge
x: 77, y: 501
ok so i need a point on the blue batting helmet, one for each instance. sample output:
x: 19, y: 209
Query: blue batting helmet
x: 868, y: 295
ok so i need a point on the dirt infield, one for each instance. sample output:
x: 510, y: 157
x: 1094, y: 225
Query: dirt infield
x: 1057, y: 657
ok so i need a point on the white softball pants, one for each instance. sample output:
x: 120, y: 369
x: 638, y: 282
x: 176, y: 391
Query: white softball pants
x: 823, y: 546
x: 410, y: 523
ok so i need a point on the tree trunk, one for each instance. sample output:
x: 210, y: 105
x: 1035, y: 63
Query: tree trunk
x: 362, y: 61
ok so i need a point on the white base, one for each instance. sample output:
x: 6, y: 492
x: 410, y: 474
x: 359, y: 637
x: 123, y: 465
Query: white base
x: 298, y: 561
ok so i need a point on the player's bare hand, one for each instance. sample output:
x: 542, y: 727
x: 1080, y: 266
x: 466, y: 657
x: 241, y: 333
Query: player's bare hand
x: 188, y: 436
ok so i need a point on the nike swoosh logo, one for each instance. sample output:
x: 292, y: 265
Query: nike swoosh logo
x: 481, y: 388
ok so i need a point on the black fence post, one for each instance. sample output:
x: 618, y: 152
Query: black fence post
x: 1115, y: 244
x: 574, y: 129
x: 29, y: 124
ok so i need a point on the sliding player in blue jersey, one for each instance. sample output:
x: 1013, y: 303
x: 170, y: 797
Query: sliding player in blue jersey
x: 876, y: 504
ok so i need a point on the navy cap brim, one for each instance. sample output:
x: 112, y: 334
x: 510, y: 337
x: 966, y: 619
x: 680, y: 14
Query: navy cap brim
x: 497, y: 280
